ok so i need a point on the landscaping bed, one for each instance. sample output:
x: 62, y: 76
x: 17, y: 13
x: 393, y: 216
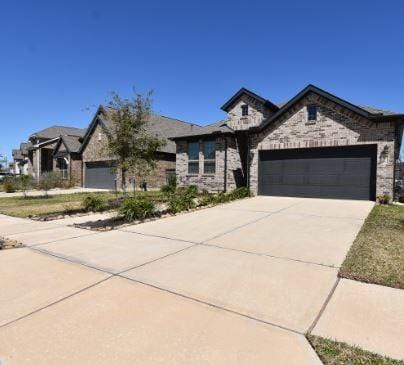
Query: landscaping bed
x: 377, y: 254
x: 338, y: 353
x: 141, y: 209
x: 58, y: 206
x: 6, y: 243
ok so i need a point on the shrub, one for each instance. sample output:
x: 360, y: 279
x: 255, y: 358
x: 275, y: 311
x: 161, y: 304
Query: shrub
x: 93, y: 203
x: 167, y: 189
x: 48, y: 180
x: 171, y: 185
x: 10, y: 184
x: 222, y: 198
x: 137, y: 208
x: 192, y: 190
x: 240, y: 193
x: 384, y: 199
x: 26, y: 182
x: 206, y: 199
x: 180, y: 202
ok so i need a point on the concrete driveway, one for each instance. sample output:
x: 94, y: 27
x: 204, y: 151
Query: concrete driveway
x: 239, y: 283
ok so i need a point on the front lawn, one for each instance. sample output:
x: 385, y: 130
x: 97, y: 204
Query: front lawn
x: 338, y: 353
x: 40, y: 205
x: 377, y: 254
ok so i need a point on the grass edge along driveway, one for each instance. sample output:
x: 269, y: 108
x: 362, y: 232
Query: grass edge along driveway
x: 377, y: 254
x: 336, y: 353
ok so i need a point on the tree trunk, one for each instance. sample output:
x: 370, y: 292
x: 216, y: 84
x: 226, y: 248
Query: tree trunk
x: 123, y: 177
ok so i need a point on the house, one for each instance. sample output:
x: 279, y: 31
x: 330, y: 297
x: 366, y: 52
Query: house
x: 97, y: 165
x: 41, y: 151
x: 314, y: 145
x: 20, y: 164
x: 67, y: 159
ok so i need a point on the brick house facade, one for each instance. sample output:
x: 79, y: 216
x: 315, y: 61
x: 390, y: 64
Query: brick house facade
x: 95, y: 156
x: 67, y: 160
x: 254, y: 127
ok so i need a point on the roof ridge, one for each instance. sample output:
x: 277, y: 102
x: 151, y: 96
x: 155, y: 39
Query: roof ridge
x: 159, y: 115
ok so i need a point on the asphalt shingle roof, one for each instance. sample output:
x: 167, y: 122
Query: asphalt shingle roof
x: 73, y: 143
x: 160, y: 126
x: 57, y: 130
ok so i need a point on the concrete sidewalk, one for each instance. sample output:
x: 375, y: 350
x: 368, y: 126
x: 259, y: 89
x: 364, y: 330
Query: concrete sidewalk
x: 365, y: 315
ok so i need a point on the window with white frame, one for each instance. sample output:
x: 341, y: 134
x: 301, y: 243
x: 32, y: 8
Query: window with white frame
x: 62, y: 165
x: 209, y: 154
x: 193, y: 157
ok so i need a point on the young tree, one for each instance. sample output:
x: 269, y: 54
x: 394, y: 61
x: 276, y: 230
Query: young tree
x: 128, y: 139
x: 25, y: 183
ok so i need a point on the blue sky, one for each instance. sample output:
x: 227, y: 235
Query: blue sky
x: 60, y: 59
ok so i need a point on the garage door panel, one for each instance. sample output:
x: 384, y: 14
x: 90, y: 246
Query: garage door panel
x: 341, y: 172
x: 331, y: 165
x: 99, y: 175
x: 323, y: 179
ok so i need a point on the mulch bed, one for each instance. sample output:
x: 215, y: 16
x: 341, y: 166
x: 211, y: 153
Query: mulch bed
x: 119, y: 222
x: 6, y: 243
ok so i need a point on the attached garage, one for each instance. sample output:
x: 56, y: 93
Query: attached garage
x: 331, y: 172
x: 99, y: 175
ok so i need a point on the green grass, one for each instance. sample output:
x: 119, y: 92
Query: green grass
x: 63, y: 203
x: 377, y: 254
x: 339, y: 353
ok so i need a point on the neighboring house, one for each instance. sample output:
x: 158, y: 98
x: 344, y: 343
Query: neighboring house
x: 21, y: 163
x: 314, y: 145
x: 98, y: 169
x: 67, y: 159
x: 43, y: 144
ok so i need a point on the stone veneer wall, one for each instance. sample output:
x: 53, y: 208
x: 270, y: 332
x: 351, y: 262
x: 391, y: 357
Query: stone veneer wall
x: 210, y: 182
x: 335, y: 126
x: 257, y: 112
x: 76, y: 170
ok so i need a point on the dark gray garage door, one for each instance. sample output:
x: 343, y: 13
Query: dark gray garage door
x: 340, y: 172
x: 98, y: 175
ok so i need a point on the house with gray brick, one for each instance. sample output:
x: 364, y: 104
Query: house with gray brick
x: 97, y: 164
x: 314, y: 145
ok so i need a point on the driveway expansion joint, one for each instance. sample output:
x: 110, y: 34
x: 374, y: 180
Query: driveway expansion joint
x: 55, y: 302
x: 324, y: 306
x: 214, y: 306
x: 251, y: 222
x: 271, y: 256
x: 63, y: 239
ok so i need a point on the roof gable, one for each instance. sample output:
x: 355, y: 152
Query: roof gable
x: 362, y: 111
x: 243, y: 91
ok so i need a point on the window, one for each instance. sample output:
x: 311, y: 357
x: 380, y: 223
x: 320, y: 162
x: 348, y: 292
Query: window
x: 244, y: 110
x: 193, y: 158
x: 209, y: 153
x: 62, y: 165
x: 311, y: 113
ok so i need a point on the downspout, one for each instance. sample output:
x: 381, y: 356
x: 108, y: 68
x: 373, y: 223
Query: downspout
x: 225, y: 164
